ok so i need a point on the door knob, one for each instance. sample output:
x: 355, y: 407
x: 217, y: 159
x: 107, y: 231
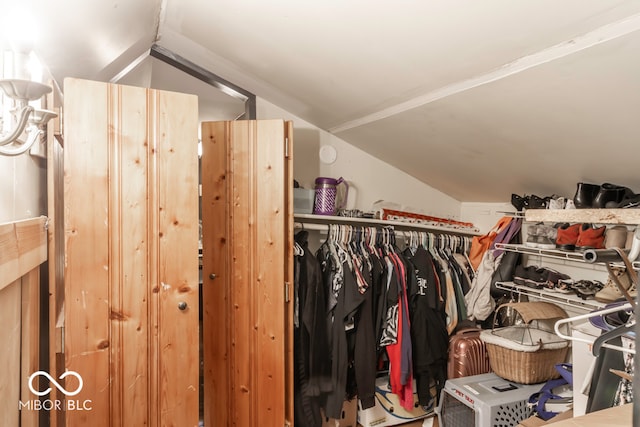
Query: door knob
x: 182, y: 305
x: 212, y: 276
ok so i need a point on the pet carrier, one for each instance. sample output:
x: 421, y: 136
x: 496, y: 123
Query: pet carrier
x: 484, y: 400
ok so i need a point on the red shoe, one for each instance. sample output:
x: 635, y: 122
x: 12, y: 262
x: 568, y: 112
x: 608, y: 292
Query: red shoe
x: 567, y: 237
x: 590, y: 237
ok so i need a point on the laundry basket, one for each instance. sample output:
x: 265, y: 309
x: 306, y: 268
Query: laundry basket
x: 527, y: 351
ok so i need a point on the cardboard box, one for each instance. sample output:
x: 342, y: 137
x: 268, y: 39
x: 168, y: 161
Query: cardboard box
x: 387, y: 410
x: 347, y: 418
x: 534, y: 421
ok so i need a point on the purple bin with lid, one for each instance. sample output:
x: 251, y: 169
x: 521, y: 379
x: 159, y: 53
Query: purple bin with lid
x: 326, y: 190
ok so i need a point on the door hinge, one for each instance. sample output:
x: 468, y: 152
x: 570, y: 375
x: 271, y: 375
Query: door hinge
x: 287, y: 298
x: 286, y: 147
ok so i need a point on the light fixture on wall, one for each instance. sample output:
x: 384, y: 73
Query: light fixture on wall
x: 21, y: 124
x: 27, y: 119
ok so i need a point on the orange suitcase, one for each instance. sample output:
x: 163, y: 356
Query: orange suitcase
x: 467, y: 354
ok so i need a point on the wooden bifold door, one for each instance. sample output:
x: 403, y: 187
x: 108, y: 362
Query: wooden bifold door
x: 131, y: 254
x: 131, y: 262
x: 247, y: 269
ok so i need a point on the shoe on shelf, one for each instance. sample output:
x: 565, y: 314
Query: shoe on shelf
x: 541, y: 236
x: 547, y: 237
x: 556, y: 202
x: 611, y: 292
x: 536, y: 202
x: 570, y: 204
x: 521, y: 274
x: 587, y: 289
x: 564, y: 286
x: 518, y: 202
x: 555, y: 277
x: 537, y: 277
x: 533, y: 231
x: 610, y: 195
x: 590, y: 237
x: 616, y: 237
x: 585, y: 193
x: 630, y: 201
x: 567, y: 236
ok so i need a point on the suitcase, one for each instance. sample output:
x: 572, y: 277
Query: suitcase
x: 467, y: 354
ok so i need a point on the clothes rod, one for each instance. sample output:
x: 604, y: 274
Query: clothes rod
x: 308, y: 220
x: 324, y: 229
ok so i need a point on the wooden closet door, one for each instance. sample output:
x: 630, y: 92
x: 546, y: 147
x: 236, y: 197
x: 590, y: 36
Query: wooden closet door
x: 247, y: 268
x: 131, y: 263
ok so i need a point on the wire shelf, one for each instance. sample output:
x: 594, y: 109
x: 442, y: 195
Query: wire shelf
x: 569, y: 300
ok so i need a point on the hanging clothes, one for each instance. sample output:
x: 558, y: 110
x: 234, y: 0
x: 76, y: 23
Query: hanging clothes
x: 311, y: 370
x: 348, y: 282
x: 428, y: 327
x: 624, y: 393
x: 375, y: 307
x: 399, y: 353
x: 480, y: 303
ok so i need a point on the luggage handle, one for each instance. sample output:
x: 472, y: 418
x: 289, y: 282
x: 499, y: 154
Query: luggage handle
x: 467, y: 330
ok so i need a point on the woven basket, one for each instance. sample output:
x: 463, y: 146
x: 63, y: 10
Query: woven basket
x: 528, y: 351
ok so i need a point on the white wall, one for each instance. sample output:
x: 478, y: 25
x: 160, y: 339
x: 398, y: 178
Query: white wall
x: 370, y: 179
x: 484, y: 215
x: 22, y: 187
x: 22, y: 178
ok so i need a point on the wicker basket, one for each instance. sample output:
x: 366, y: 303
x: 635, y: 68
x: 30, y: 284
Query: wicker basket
x: 527, y: 351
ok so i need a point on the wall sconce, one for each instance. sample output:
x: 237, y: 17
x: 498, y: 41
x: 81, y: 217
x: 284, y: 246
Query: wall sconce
x: 27, y: 118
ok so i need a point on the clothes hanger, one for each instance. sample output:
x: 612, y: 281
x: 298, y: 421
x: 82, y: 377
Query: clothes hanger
x: 614, y: 333
x: 581, y: 317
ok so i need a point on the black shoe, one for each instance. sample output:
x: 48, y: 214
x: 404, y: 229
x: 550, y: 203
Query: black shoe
x: 610, y: 195
x: 585, y: 193
x: 536, y: 202
x: 630, y: 201
x: 537, y: 278
x: 586, y: 289
x: 520, y: 203
x: 521, y: 274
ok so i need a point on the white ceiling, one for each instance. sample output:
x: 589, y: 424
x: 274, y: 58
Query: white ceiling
x: 478, y: 99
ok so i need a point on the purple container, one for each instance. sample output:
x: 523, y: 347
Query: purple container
x: 326, y: 190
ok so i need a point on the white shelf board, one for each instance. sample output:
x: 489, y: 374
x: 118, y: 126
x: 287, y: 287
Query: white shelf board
x: 325, y: 220
x: 595, y: 216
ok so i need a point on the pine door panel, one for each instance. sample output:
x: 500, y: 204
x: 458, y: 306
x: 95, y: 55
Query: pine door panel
x: 246, y: 241
x: 131, y: 229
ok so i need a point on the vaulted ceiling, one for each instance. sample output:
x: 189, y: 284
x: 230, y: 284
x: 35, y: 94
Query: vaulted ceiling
x: 478, y: 99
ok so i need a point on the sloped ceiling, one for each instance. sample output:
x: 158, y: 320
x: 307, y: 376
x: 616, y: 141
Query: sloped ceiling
x: 476, y: 99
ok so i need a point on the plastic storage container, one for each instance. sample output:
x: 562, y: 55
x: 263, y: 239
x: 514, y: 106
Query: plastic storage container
x: 303, y: 200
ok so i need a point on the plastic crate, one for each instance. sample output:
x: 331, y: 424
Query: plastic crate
x: 484, y: 401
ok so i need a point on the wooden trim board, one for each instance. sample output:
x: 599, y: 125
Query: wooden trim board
x: 23, y: 247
